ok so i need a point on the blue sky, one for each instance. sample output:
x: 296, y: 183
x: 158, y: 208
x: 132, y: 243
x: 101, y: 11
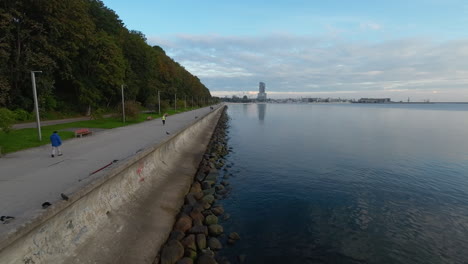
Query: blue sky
x: 350, y: 49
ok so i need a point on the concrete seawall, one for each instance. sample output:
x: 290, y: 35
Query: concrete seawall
x: 124, y: 216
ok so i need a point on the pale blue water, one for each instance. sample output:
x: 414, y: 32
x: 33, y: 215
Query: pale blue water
x: 349, y: 183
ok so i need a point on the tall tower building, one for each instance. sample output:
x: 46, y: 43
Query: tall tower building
x: 261, y: 96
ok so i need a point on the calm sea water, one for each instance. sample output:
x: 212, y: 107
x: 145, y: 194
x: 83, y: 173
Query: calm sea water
x: 349, y: 183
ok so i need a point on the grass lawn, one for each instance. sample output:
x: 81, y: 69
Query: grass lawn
x: 27, y: 137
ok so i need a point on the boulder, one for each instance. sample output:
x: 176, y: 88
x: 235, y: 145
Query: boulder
x: 196, y: 187
x: 186, y: 209
x: 199, y: 229
x: 197, y: 222
x: 234, y: 236
x: 197, y: 215
x: 172, y: 252
x: 211, y: 176
x: 201, y: 241
x: 224, y: 182
x: 189, y: 242
x: 226, y: 216
x: 209, y: 191
x: 189, y: 253
x: 185, y: 261
x: 214, y: 243
x: 176, y: 235
x: 218, y: 210
x: 207, y: 184
x: 184, y: 223
x: 208, y: 198
x: 215, y: 230
x: 198, y: 195
x: 206, y: 259
x: 190, y: 199
x: 219, y: 187
x: 201, y: 176
x: 211, y: 220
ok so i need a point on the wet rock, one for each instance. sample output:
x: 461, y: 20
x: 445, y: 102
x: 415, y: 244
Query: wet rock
x: 198, y: 195
x: 201, y: 176
x: 211, y: 220
x: 184, y: 223
x: 214, y: 243
x: 189, y: 242
x: 224, y: 182
x: 197, y: 222
x: 234, y: 236
x: 218, y: 210
x: 207, y: 184
x: 176, y: 235
x: 223, y: 191
x: 185, y: 261
x: 201, y: 241
x: 226, y: 216
x: 199, y: 229
x: 172, y: 252
x: 190, y: 199
x: 215, y: 230
x: 208, y: 252
x: 207, y: 213
x: 212, y: 177
x: 189, y: 253
x: 206, y: 205
x: 222, y: 260
x: 208, y: 198
x: 186, y: 209
x: 197, y: 215
x: 209, y: 191
x: 219, y: 187
x: 196, y: 187
x: 206, y: 259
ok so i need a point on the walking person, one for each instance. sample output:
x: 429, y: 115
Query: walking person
x: 56, y: 143
x: 164, y: 119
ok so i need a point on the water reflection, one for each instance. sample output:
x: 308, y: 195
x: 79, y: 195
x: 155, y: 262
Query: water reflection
x: 348, y: 184
x: 261, y: 108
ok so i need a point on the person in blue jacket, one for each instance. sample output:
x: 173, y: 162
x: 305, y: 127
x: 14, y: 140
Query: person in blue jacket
x: 56, y: 143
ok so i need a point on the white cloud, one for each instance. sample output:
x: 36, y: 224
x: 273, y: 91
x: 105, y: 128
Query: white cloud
x: 294, y: 63
x: 371, y: 26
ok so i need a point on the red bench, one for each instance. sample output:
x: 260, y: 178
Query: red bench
x: 83, y: 132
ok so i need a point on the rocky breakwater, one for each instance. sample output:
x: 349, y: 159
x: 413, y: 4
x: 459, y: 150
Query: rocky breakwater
x: 197, y: 236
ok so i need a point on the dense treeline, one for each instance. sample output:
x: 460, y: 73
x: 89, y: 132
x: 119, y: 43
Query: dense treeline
x: 85, y: 54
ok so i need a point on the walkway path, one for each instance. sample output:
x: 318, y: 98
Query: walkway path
x: 31, y: 177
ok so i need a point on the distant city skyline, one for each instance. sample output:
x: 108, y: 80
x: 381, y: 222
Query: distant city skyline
x: 349, y: 49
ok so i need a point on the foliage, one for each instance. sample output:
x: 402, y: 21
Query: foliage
x: 98, y: 114
x: 22, y: 115
x: 132, y: 110
x: 85, y: 54
x: 165, y: 106
x: 7, y: 118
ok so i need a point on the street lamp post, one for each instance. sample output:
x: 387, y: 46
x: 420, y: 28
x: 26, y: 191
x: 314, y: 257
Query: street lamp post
x: 123, y: 103
x: 36, y: 105
x: 159, y: 104
x: 175, y: 102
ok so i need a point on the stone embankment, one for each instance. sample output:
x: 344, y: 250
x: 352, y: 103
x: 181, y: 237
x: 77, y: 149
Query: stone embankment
x: 197, y: 235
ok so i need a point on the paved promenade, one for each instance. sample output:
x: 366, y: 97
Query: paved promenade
x: 31, y: 177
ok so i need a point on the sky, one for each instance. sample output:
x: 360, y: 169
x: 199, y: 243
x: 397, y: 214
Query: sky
x: 336, y: 48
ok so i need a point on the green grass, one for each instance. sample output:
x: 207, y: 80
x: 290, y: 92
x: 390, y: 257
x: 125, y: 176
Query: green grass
x: 28, y: 138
